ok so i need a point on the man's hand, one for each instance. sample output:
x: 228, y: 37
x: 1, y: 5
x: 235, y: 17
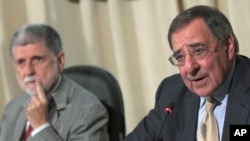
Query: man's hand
x: 37, y: 110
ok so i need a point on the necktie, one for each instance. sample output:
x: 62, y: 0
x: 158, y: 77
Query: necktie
x: 209, y: 129
x: 27, y: 132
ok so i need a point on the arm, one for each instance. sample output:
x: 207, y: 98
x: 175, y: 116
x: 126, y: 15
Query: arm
x: 89, y: 125
x: 149, y: 126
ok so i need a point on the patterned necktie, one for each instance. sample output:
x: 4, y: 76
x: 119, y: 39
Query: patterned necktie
x: 27, y: 133
x: 209, y: 129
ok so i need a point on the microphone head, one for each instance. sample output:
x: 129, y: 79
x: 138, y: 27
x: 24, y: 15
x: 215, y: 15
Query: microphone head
x: 169, y: 108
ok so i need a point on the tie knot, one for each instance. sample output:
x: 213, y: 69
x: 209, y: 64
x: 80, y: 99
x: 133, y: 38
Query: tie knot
x: 210, y: 103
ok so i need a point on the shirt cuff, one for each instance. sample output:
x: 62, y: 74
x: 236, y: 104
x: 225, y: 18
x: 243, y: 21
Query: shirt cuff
x: 34, y: 132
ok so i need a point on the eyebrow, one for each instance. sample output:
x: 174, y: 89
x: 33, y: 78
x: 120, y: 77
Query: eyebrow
x: 192, y: 45
x: 176, y: 52
x: 196, y: 45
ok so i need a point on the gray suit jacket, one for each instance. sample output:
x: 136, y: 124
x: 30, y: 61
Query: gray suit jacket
x: 75, y: 115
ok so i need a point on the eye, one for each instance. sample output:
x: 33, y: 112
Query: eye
x: 20, y: 62
x: 198, y: 51
x: 180, y: 57
x: 37, y: 58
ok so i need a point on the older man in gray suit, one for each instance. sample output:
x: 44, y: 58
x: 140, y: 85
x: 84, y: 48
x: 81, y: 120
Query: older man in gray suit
x: 54, y: 107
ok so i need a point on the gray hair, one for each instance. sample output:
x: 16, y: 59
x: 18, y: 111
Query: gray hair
x: 34, y: 33
x: 216, y: 22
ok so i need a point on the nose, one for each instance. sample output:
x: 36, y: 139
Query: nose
x: 29, y: 69
x: 191, y: 66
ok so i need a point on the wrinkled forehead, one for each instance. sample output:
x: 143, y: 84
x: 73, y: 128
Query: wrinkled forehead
x: 194, y: 34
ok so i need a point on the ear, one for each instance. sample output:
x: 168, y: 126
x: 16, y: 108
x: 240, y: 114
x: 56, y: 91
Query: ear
x: 61, y: 59
x: 230, y: 47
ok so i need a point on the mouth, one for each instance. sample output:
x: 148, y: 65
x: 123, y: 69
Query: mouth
x: 198, y: 79
x: 30, y: 83
x: 29, y: 79
x: 199, y: 82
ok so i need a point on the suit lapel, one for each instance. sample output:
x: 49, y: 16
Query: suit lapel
x: 21, y: 121
x: 59, y: 100
x: 53, y: 113
x: 239, y: 110
x: 192, y: 107
x: 238, y: 105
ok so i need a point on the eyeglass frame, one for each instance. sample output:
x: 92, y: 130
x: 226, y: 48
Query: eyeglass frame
x: 205, y: 51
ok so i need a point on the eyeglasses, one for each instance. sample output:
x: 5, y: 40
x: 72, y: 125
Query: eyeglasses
x: 198, y: 53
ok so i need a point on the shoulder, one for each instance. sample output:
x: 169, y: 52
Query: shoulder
x: 17, y: 103
x: 81, y: 103
x: 19, y: 100
x: 79, y: 91
x: 242, y: 62
x: 172, y: 83
x: 78, y: 95
x: 172, y: 89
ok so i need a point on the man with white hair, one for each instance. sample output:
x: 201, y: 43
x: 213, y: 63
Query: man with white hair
x: 53, y: 106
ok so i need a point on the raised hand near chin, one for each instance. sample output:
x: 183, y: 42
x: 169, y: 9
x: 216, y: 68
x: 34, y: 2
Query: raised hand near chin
x: 37, y: 110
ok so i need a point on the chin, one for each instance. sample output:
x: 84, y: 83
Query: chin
x: 31, y: 92
x: 201, y: 93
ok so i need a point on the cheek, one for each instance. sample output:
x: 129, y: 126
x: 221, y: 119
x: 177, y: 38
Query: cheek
x: 20, y: 76
x: 182, y: 72
x: 184, y: 76
x: 215, y: 68
x: 47, y: 74
x: 44, y: 75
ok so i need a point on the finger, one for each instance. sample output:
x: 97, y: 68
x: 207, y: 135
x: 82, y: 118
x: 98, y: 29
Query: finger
x: 40, y: 91
x: 35, y: 99
x: 30, y: 108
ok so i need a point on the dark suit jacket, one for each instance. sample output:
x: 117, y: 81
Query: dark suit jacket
x: 76, y: 115
x: 181, y: 124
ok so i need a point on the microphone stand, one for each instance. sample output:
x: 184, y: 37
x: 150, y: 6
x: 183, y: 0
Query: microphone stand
x: 168, y: 111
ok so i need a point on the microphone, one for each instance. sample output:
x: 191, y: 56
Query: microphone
x: 168, y: 110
